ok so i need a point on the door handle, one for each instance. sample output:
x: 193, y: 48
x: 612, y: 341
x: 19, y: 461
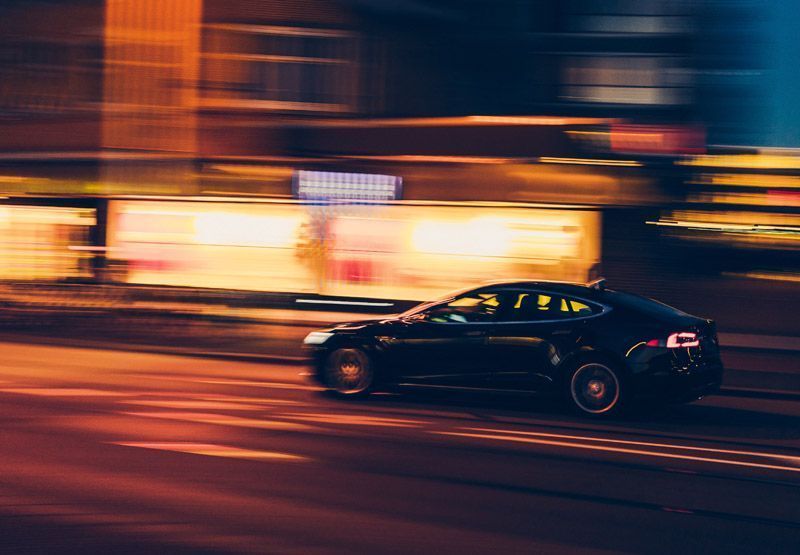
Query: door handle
x: 475, y: 333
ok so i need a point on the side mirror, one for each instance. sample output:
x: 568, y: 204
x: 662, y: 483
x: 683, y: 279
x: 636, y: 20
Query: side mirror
x: 418, y: 317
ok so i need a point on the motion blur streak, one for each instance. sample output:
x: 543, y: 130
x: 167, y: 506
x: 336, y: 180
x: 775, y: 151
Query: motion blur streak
x: 231, y: 381
x: 357, y: 420
x: 207, y: 405
x: 211, y: 450
x: 644, y: 444
x: 221, y: 420
x: 589, y: 162
x: 61, y: 392
x: 621, y: 450
x: 268, y: 385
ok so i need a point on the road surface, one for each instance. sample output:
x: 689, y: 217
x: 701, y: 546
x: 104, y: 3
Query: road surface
x: 117, y: 452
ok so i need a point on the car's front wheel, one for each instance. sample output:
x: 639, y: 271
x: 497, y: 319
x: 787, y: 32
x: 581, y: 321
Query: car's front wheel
x: 349, y: 372
x: 596, y: 389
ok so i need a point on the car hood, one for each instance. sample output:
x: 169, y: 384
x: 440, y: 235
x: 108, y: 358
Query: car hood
x: 361, y: 324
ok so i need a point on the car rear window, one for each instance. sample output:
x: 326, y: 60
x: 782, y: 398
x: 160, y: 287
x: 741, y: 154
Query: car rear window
x: 580, y: 309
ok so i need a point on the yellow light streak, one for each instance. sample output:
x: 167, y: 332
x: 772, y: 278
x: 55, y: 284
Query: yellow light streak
x: 589, y: 162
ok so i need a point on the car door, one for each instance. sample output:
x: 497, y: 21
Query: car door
x: 446, y: 344
x: 531, y: 337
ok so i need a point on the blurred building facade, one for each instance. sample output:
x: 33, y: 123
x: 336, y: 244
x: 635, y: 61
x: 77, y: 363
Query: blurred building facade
x: 151, y: 91
x: 578, y: 128
x: 162, y: 75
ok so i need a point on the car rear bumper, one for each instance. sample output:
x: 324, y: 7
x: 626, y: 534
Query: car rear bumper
x: 687, y: 390
x: 681, y: 385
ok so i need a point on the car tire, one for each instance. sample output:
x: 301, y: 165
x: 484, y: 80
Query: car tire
x: 596, y: 388
x: 349, y: 372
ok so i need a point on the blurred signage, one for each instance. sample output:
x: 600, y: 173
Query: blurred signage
x: 340, y: 186
x: 657, y: 139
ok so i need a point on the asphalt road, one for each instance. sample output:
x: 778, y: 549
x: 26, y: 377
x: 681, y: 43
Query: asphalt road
x: 118, y: 452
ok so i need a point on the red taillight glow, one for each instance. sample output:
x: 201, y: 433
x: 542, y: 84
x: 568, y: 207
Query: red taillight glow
x: 676, y: 340
x: 682, y: 339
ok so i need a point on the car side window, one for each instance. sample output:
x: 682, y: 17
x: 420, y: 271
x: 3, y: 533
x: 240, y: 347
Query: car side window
x: 532, y: 306
x: 581, y: 309
x: 472, y: 308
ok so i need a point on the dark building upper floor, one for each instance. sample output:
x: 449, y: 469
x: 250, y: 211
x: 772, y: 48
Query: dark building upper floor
x: 94, y: 74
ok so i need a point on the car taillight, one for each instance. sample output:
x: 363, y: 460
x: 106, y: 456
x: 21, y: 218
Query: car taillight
x: 683, y: 339
x: 676, y: 340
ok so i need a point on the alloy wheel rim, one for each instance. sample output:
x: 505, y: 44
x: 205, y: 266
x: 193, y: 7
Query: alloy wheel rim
x: 595, y: 388
x: 349, y: 373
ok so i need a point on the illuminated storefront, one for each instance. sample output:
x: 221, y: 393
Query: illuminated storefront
x: 394, y: 250
x: 45, y: 242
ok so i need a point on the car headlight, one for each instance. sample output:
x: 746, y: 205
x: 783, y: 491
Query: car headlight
x: 317, y: 338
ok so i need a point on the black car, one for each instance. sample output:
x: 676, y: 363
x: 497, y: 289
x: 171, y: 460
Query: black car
x: 597, y: 347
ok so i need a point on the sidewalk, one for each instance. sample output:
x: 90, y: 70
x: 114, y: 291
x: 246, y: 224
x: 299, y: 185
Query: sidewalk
x: 288, y: 309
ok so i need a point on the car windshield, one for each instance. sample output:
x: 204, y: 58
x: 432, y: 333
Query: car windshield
x: 446, y: 297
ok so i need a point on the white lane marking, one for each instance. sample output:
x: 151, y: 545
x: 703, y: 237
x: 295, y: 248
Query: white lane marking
x: 761, y: 454
x: 63, y: 392
x: 223, y: 420
x: 355, y: 419
x: 211, y: 450
x: 620, y: 450
x: 348, y: 303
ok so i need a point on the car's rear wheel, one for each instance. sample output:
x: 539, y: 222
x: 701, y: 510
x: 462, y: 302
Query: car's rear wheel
x: 596, y: 389
x: 349, y: 372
